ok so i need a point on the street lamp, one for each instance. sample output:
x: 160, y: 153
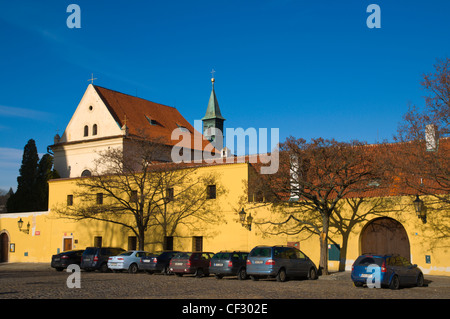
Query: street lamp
x: 247, y: 223
x: 420, y: 211
x: 20, y: 224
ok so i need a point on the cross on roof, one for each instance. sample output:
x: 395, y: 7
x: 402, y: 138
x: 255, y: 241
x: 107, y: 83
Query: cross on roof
x: 92, y: 79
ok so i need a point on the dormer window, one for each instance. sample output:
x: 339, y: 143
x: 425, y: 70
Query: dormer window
x: 151, y: 121
x: 94, y: 129
x: 182, y: 128
x: 86, y: 130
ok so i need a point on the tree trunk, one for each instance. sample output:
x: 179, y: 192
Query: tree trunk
x: 141, y: 238
x: 323, y: 263
x: 343, y: 252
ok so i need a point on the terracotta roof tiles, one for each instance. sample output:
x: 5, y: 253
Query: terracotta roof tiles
x: 145, y: 117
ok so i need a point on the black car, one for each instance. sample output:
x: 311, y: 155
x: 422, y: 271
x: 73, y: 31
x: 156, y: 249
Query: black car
x: 229, y: 263
x: 196, y: 263
x: 96, y: 258
x: 62, y: 260
x: 158, y: 262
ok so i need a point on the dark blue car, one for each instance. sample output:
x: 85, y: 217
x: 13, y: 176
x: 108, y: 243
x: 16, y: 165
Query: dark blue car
x: 385, y: 271
x: 229, y: 263
x: 157, y: 262
x: 280, y: 262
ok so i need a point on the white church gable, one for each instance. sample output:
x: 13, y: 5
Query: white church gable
x: 91, y: 120
x: 91, y: 130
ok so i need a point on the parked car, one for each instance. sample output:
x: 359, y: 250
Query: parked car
x: 394, y: 271
x: 229, y: 263
x: 159, y: 262
x: 62, y: 260
x: 128, y: 260
x: 280, y: 262
x: 196, y: 263
x: 97, y: 257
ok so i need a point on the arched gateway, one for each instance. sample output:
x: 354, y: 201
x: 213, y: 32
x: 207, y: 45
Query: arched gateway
x: 385, y: 236
x: 4, y: 244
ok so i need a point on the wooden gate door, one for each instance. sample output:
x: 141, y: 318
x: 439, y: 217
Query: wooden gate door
x: 4, y: 243
x: 385, y: 236
x: 67, y: 244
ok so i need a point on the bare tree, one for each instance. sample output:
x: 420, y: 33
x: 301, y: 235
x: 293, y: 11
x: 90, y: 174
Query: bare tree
x: 130, y: 189
x: 361, y: 209
x: 313, y: 178
x: 424, y: 133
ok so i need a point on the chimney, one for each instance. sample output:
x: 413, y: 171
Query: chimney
x: 431, y: 138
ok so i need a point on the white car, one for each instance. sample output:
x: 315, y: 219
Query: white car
x: 128, y: 260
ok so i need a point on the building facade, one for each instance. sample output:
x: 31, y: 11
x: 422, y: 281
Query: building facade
x: 108, y: 119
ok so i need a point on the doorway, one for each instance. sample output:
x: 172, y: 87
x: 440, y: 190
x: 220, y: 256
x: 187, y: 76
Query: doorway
x: 384, y: 236
x: 67, y: 243
x: 4, y: 245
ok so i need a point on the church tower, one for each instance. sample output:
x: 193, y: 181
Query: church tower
x: 213, y: 121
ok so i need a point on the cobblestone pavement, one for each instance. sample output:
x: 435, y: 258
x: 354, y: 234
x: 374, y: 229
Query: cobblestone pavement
x: 37, y: 280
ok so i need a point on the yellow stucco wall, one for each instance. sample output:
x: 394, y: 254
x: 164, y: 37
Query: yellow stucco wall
x: 48, y: 230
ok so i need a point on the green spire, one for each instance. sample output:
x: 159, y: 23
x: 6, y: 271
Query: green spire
x: 213, y: 110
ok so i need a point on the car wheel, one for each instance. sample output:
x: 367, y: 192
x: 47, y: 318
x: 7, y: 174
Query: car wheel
x: 242, y: 274
x: 395, y: 283
x: 419, y: 282
x: 133, y: 269
x: 281, y: 276
x: 312, y: 275
x: 167, y: 271
x: 199, y: 273
x: 104, y: 268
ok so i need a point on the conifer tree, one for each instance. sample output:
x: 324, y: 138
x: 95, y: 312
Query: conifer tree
x: 25, y: 198
x: 45, y: 172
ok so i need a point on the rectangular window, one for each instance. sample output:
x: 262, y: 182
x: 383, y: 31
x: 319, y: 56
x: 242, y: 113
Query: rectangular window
x: 211, y: 192
x: 99, y: 198
x: 168, y: 243
x: 132, y: 242
x: 197, y: 243
x: 169, y: 194
x: 69, y: 200
x: 98, y: 241
x: 134, y: 197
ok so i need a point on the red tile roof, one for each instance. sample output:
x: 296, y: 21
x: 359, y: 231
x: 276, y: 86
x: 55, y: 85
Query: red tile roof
x: 400, y: 180
x: 147, y: 118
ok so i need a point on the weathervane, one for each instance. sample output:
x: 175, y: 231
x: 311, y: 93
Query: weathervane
x: 92, y: 78
x: 212, y: 76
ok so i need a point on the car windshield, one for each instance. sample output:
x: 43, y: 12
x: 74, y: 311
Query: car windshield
x: 368, y: 260
x: 127, y: 253
x: 222, y: 256
x: 182, y: 255
x: 90, y: 251
x: 261, y: 252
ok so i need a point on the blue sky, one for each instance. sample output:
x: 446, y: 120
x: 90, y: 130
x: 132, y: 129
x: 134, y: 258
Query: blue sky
x: 309, y: 68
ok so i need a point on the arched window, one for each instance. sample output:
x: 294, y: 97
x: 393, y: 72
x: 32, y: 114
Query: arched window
x: 94, y: 129
x: 86, y: 173
x: 86, y: 130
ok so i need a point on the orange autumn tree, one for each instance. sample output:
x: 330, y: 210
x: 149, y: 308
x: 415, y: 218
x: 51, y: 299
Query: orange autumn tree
x: 313, y: 179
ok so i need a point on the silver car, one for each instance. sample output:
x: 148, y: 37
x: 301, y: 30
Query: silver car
x: 281, y: 262
x: 128, y: 260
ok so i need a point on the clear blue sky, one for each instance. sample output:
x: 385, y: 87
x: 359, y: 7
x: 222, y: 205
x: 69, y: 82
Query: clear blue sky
x: 309, y: 68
